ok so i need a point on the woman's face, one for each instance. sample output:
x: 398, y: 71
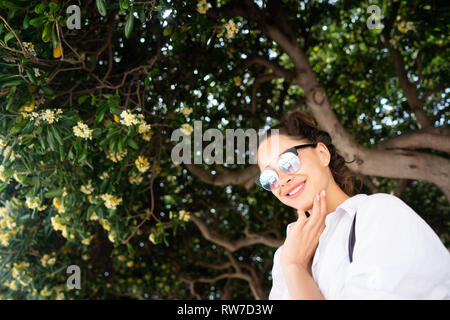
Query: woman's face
x: 314, y: 171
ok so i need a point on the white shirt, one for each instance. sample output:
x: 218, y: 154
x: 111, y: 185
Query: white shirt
x: 396, y: 254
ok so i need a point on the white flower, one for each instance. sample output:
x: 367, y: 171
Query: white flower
x: 186, y: 129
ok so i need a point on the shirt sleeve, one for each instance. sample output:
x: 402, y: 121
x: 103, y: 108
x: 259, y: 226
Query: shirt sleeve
x: 396, y: 255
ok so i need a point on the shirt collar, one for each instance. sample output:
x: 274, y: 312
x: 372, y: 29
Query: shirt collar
x: 351, y: 204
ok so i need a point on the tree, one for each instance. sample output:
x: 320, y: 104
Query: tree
x: 87, y: 115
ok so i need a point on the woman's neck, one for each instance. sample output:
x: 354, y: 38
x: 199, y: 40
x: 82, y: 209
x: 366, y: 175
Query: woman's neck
x: 334, y: 196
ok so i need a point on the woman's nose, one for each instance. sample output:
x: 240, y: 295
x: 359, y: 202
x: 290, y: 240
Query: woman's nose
x: 284, y: 178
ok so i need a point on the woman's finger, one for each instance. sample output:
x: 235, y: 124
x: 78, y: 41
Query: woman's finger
x: 323, y: 204
x: 315, y: 215
x: 301, y: 218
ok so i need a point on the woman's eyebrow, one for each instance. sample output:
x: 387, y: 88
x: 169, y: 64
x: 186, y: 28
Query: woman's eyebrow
x: 277, y: 158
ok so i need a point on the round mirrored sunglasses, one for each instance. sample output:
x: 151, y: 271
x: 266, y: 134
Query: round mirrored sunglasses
x: 288, y: 162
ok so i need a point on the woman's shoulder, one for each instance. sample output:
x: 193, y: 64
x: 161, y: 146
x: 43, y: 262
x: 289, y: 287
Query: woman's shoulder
x: 386, y: 213
x: 385, y: 204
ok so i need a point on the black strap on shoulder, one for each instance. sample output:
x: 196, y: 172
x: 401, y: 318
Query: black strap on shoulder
x: 351, y: 240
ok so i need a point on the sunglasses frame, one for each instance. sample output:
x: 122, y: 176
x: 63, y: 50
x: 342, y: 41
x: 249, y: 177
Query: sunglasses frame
x: 291, y: 149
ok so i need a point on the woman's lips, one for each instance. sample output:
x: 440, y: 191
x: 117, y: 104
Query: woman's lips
x: 298, y: 192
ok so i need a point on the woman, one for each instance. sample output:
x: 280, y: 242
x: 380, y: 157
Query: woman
x: 396, y: 255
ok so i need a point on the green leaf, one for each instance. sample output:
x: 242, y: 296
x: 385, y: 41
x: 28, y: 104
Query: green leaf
x: 120, y: 145
x: 37, y: 22
x: 100, y: 115
x: 129, y: 24
x: 8, y: 37
x: 101, y: 7
x: 82, y: 99
x: 48, y: 92
x: 26, y: 21
x: 83, y: 153
x: 51, y: 140
x: 53, y: 193
x: 46, y: 33
x: 40, y: 8
x: 56, y: 135
x: 54, y: 37
x: 133, y: 144
x: 53, y: 8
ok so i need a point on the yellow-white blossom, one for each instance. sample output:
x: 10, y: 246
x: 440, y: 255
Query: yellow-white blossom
x: 152, y: 238
x: 50, y: 116
x: 203, y: 6
x: 183, y: 215
x: 112, y: 236
x: 142, y: 164
x: 47, y: 260
x: 104, y: 175
x: 87, y: 189
x: 82, y: 130
x: 93, y: 217
x: 2, y: 173
x: 29, y: 48
x: 6, y: 151
x: 111, y: 201
x: 128, y: 119
x: 406, y: 26
x: 87, y: 241
x: 231, y: 29
x: 186, y: 129
x: 186, y: 111
x: 105, y: 224
x: 135, y: 179
x: 32, y: 202
x: 57, y: 203
x: 116, y: 157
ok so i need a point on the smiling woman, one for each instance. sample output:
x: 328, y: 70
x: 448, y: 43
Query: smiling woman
x: 396, y: 254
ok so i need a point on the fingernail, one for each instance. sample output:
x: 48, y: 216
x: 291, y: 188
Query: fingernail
x: 318, y: 197
x: 323, y: 192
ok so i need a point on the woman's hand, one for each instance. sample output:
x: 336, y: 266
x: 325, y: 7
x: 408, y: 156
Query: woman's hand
x: 303, y: 238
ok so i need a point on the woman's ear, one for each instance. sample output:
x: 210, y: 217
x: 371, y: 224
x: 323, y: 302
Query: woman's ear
x: 323, y: 154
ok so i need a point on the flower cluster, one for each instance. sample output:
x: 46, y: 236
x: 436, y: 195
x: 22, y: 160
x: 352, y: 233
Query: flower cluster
x: 111, y: 202
x: 406, y: 26
x: 203, y: 6
x: 229, y: 28
x: 116, y: 157
x: 29, y: 48
x: 128, y: 119
x: 104, y: 175
x: 186, y: 111
x: 57, y: 203
x: 48, y: 115
x: 2, y: 173
x: 183, y: 215
x: 135, y: 179
x: 142, y: 164
x: 48, y: 260
x: 6, y: 151
x: 186, y: 129
x: 82, y: 130
x: 34, y: 203
x: 8, y: 226
x: 59, y: 226
x: 87, y: 189
x: 111, y: 234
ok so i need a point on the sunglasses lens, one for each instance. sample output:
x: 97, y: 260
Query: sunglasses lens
x: 289, y: 162
x: 269, y: 180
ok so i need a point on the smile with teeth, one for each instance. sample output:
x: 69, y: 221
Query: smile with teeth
x: 296, y: 189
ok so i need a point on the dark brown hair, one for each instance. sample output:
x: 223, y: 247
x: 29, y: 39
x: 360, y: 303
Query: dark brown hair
x: 298, y: 124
